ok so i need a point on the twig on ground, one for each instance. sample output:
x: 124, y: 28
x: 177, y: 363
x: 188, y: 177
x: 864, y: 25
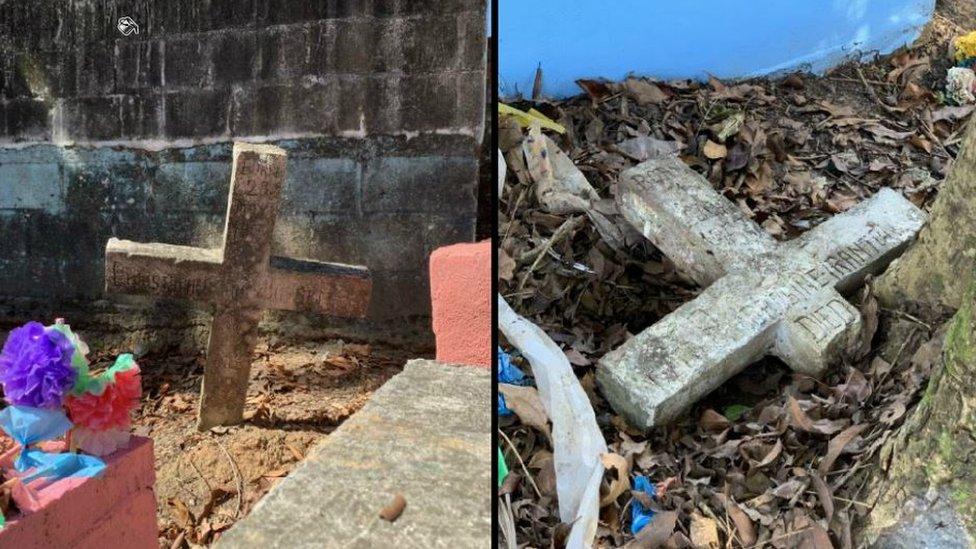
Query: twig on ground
x: 567, y: 227
x: 237, y: 477
x: 197, y: 469
x: 522, y: 463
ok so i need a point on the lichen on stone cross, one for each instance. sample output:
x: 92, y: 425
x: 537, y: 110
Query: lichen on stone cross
x: 239, y: 279
x: 761, y: 298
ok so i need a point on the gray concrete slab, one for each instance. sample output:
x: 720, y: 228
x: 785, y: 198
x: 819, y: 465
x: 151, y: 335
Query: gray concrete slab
x: 425, y: 434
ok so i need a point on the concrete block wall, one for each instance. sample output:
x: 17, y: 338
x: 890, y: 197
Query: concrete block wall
x: 380, y: 103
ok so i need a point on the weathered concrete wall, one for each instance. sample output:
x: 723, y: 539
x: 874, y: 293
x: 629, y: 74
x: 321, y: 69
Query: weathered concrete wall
x: 380, y: 104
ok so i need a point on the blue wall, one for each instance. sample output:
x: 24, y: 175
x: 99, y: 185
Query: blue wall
x: 669, y: 39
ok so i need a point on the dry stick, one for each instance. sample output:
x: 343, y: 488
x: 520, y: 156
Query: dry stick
x: 849, y: 79
x: 873, y: 94
x: 518, y: 202
x: 237, y: 476
x: 777, y: 538
x: 857, y: 493
x: 541, y: 249
x: 907, y: 316
x: 522, y: 463
x: 564, y: 229
x: 506, y: 523
x: 195, y: 468
x: 928, y: 131
x: 178, y: 542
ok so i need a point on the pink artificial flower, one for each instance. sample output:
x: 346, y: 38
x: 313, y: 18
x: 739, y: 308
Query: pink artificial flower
x: 111, y: 409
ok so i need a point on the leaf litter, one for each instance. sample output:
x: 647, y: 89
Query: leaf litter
x: 773, y: 458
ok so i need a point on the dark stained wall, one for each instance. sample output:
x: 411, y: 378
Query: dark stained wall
x: 380, y: 103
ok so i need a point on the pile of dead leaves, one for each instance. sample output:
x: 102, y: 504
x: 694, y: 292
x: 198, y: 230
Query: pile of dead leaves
x: 772, y: 458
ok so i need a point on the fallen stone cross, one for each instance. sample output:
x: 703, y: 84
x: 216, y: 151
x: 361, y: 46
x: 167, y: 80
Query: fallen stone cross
x: 762, y: 297
x: 238, y: 280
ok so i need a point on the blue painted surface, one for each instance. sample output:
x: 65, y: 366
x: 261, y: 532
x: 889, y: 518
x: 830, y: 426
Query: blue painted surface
x: 672, y: 39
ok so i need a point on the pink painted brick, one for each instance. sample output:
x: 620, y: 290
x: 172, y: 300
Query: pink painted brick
x: 460, y: 291
x: 108, y: 511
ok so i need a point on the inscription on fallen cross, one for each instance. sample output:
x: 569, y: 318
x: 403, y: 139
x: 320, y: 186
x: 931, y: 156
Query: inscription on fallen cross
x: 762, y: 297
x: 238, y: 280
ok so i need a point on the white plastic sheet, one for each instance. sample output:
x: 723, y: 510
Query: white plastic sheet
x: 577, y: 439
x: 502, y: 169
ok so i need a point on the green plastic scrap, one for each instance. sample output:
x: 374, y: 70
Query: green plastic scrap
x: 502, y: 468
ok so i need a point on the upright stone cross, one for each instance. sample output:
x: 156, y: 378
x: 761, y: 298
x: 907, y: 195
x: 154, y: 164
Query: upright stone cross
x: 762, y: 297
x: 239, y: 279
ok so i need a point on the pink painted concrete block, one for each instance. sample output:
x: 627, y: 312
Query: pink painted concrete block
x: 117, y: 509
x: 460, y: 291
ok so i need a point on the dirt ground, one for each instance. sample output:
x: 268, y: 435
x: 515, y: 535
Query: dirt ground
x: 298, y: 394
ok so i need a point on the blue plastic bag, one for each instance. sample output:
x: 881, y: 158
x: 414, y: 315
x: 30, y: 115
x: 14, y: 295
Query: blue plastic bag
x: 27, y: 426
x: 58, y: 466
x: 507, y: 373
x: 641, y: 516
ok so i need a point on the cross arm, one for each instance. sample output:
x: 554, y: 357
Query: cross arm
x: 704, y: 234
x: 316, y: 286
x: 862, y: 240
x: 655, y: 375
x: 162, y: 270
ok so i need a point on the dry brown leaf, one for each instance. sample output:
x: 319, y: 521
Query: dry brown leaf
x: 798, y: 417
x: 276, y: 473
x: 620, y: 484
x: 921, y: 143
x: 704, y: 531
x: 185, y: 517
x: 815, y: 537
x: 825, y: 494
x: 771, y: 456
x: 576, y: 358
x: 295, y: 452
x: 744, y: 528
x: 837, y: 445
x: 714, y: 151
x: 598, y: 90
x: 655, y: 534
x: 545, y: 479
x: 527, y: 405
x: 506, y: 265
x: 644, y: 92
x: 869, y: 325
x: 713, y: 421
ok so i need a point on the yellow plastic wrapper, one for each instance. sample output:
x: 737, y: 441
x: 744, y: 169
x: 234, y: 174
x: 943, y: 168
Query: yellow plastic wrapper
x: 525, y: 119
x: 965, y: 46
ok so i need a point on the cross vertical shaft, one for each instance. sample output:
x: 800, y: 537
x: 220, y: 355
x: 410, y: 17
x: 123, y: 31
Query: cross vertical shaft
x: 258, y: 174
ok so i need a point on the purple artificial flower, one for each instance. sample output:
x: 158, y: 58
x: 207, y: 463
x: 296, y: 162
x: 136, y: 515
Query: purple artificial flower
x: 35, y: 366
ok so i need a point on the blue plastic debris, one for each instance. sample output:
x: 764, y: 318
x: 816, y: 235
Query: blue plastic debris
x: 641, y: 516
x: 26, y: 426
x: 507, y: 373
